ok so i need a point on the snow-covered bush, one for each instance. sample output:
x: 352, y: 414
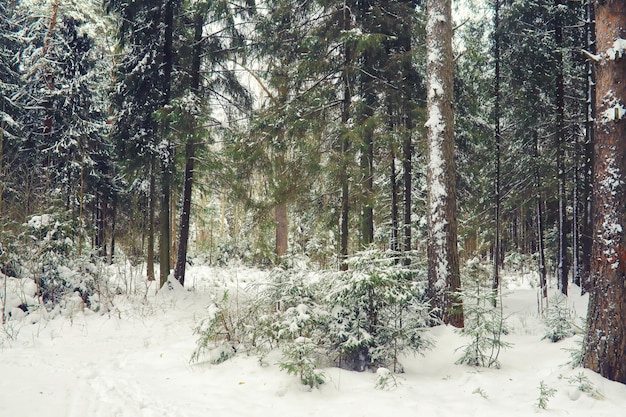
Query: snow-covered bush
x: 301, y: 358
x: 223, y: 331
x: 48, y: 253
x: 367, y: 316
x: 377, y: 312
x: 559, y: 320
x: 484, y: 323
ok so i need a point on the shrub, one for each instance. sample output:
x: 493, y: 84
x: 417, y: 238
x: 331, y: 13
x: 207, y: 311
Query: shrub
x: 559, y: 320
x: 484, y: 323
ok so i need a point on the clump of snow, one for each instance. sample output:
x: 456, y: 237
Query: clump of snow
x: 617, y: 50
x: 614, y: 109
x: 38, y: 222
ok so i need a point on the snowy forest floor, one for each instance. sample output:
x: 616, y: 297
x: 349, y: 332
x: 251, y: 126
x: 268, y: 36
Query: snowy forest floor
x: 135, y: 362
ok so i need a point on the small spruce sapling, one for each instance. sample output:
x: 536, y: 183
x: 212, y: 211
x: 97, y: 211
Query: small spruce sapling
x: 377, y: 312
x: 300, y: 358
x: 484, y: 323
x: 545, y: 393
x: 385, y: 380
x: 559, y: 320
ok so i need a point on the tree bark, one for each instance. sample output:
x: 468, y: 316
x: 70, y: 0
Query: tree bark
x: 190, y: 148
x: 151, y: 218
x: 498, y: 142
x: 443, y: 259
x: 604, y: 348
x: 368, y: 92
x: 543, y: 283
x: 395, y: 242
x: 562, y: 260
x: 345, y: 145
x: 587, y: 225
x: 167, y: 162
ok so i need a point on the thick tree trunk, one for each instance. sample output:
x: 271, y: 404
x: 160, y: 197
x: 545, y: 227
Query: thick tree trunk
x: 345, y: 145
x: 164, y: 228
x: 587, y: 225
x: 395, y: 242
x: 407, y: 143
x: 368, y: 92
x: 443, y: 259
x: 604, y: 348
x: 498, y: 140
x: 185, y: 214
x: 562, y: 261
x: 167, y: 161
x: 367, y: 174
x: 190, y: 147
x: 151, y: 218
x: 543, y: 282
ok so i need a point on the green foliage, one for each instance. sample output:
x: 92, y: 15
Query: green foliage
x: 545, y: 393
x: 223, y: 331
x: 576, y: 354
x: 385, y: 380
x: 559, y: 320
x: 484, y: 323
x: 368, y: 316
x: 583, y: 384
x: 377, y: 312
x: 299, y: 358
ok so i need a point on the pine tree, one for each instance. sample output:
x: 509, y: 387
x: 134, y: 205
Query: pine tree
x: 443, y: 261
x: 9, y: 114
x: 605, y: 342
x: 143, y: 89
x: 64, y: 104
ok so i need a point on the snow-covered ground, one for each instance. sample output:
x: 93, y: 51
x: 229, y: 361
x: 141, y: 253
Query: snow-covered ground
x: 134, y: 361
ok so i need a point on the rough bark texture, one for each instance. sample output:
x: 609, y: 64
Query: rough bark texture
x: 587, y: 226
x: 151, y: 218
x: 605, y: 342
x: 498, y: 141
x: 190, y: 148
x: 562, y: 261
x: 443, y: 259
x: 166, y: 171
x: 345, y: 145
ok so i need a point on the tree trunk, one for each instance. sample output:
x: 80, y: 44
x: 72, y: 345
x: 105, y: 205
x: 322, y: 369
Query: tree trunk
x: 345, y: 145
x: 167, y: 161
x: 368, y: 92
x: 151, y: 219
x: 443, y: 259
x: 2, y: 127
x: 395, y: 243
x: 587, y: 225
x: 164, y: 228
x: 562, y: 261
x: 367, y: 174
x: 185, y: 214
x: 576, y: 214
x: 113, y: 218
x: 282, y: 228
x: 543, y: 283
x: 604, y: 348
x: 498, y: 140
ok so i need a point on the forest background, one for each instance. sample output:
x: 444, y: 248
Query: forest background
x: 263, y: 132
